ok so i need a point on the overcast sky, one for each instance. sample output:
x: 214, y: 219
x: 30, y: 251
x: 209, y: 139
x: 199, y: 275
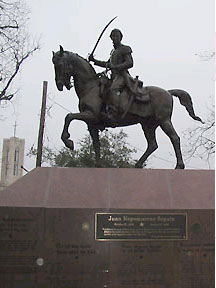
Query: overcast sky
x: 165, y: 36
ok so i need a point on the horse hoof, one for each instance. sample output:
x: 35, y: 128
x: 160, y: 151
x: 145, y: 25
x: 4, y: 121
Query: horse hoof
x: 180, y: 166
x: 65, y: 136
x: 99, y: 164
x: 69, y: 144
x: 137, y: 165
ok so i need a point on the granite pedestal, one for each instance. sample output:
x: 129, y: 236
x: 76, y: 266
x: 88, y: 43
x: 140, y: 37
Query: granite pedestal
x: 98, y: 228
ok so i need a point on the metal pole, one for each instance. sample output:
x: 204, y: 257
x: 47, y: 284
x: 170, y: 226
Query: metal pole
x: 41, y: 127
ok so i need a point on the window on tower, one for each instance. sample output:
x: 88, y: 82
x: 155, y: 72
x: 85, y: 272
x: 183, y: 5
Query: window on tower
x: 16, y: 155
x: 15, y: 172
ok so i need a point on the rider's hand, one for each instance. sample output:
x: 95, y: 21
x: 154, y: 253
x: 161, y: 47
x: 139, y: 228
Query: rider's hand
x: 91, y: 58
x: 111, y: 66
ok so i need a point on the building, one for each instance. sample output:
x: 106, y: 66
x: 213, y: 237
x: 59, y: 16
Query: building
x: 12, y: 160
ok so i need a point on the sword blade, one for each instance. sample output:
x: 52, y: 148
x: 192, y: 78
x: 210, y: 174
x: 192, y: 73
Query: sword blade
x: 102, y: 35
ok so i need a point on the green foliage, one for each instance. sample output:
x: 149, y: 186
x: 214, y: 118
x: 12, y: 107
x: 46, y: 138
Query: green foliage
x: 114, y: 153
x: 48, y: 155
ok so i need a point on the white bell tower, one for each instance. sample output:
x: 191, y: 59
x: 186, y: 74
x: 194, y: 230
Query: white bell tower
x: 12, y: 160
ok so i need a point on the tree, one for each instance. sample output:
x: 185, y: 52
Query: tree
x: 15, y: 44
x: 114, y: 153
x: 201, y: 140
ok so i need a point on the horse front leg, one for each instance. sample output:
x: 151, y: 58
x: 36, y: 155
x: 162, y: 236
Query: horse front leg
x: 94, y: 132
x: 83, y: 116
x: 65, y: 134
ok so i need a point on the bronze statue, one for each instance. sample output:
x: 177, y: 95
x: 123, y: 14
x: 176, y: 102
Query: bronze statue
x: 97, y: 95
x: 119, y: 62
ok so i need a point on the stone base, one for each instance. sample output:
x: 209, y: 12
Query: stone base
x: 119, y: 228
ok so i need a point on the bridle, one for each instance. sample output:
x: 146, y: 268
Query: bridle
x: 66, y: 64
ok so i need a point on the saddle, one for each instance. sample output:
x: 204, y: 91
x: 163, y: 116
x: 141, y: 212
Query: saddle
x: 141, y: 94
x: 118, y: 107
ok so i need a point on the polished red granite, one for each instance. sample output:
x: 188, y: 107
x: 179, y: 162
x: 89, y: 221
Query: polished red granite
x: 112, y: 188
x: 48, y: 231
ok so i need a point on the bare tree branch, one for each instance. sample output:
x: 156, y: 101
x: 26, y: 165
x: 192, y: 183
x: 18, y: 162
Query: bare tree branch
x: 9, y: 26
x: 15, y: 44
x: 201, y: 140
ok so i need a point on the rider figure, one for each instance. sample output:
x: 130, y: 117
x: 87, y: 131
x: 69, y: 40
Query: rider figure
x: 119, y: 62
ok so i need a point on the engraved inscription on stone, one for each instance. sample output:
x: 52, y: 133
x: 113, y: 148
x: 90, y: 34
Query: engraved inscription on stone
x: 196, y: 264
x: 18, y: 240
x: 140, y: 226
x: 64, y: 253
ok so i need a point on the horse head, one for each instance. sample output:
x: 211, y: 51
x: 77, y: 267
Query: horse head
x: 62, y: 61
x: 67, y: 65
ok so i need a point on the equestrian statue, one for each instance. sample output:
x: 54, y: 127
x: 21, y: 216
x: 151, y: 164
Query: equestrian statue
x: 117, y: 100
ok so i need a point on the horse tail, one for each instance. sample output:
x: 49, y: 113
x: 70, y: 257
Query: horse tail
x: 185, y: 100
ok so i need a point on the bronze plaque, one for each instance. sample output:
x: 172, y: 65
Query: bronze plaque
x: 140, y: 226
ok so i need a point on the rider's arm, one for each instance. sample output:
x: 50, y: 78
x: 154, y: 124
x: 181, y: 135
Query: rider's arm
x: 100, y: 63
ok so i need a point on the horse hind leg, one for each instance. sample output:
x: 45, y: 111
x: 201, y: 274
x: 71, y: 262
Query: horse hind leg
x: 168, y: 128
x: 149, y: 132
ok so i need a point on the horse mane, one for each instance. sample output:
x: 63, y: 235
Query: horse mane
x: 85, y: 60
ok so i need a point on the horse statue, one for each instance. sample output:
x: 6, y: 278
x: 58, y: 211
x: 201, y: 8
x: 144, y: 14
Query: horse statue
x: 150, y: 114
